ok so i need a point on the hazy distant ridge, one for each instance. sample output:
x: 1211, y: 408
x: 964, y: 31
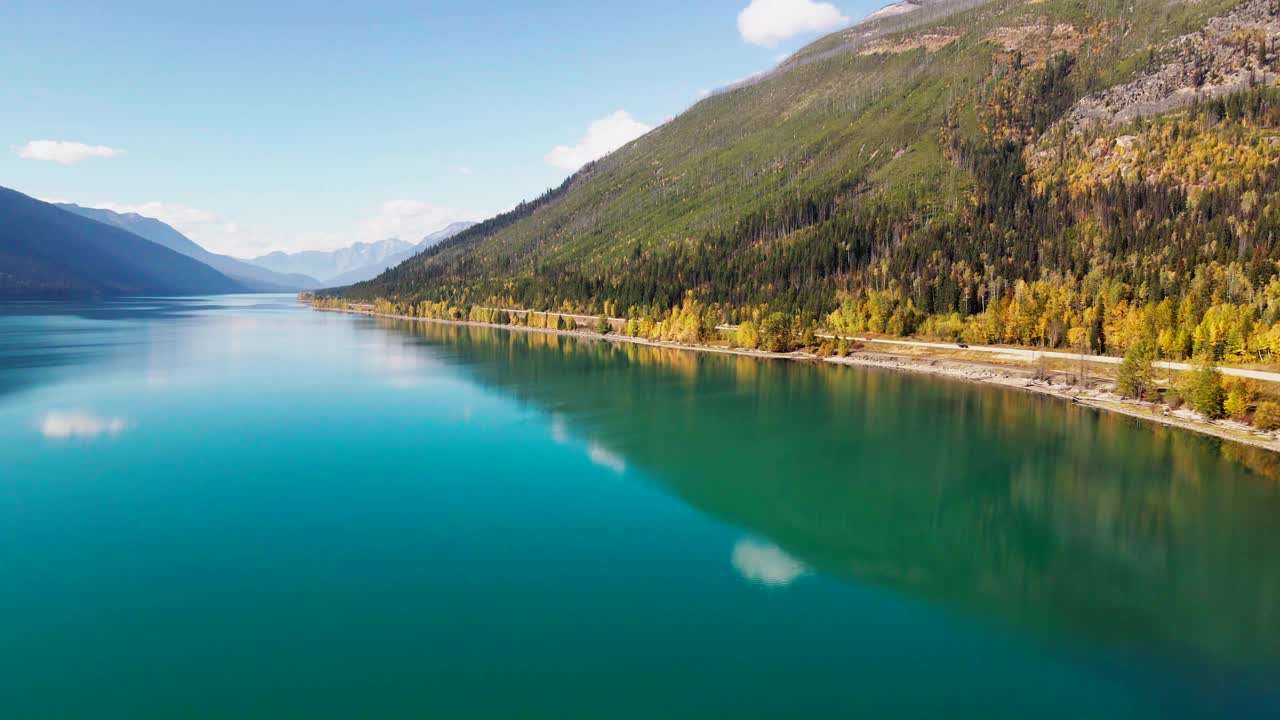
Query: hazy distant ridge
x: 359, y: 262
x: 255, y: 278
x: 46, y: 251
x: 373, y: 270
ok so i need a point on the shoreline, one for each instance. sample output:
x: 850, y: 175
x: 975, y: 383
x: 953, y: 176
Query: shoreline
x: 1016, y: 377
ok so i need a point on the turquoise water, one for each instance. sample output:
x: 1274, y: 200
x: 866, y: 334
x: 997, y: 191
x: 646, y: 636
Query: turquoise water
x: 237, y: 507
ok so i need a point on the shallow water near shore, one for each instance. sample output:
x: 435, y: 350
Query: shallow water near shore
x: 238, y: 507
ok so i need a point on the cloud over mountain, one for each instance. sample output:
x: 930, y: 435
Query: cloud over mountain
x: 603, y: 137
x: 769, y: 22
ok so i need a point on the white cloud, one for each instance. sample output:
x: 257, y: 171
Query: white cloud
x: 465, y: 170
x: 174, y: 215
x: 766, y: 564
x: 603, y: 137
x: 769, y: 22
x: 208, y: 229
x: 410, y: 220
x: 63, y: 152
x: 66, y: 425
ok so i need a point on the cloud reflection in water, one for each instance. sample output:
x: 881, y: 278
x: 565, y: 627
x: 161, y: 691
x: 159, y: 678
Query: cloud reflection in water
x: 606, y: 458
x: 766, y: 564
x: 597, y: 453
x: 75, y: 424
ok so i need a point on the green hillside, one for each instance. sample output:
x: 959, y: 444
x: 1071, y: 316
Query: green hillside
x: 988, y: 174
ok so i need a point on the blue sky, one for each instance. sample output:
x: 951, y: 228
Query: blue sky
x: 259, y: 126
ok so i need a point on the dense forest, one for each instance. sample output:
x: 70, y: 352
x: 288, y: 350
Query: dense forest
x: 935, y: 180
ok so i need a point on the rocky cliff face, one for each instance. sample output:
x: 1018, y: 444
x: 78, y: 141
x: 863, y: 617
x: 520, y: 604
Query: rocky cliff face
x: 1232, y: 53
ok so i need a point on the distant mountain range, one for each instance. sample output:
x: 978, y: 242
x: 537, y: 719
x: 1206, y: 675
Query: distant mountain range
x: 373, y: 270
x: 46, y: 251
x: 65, y: 250
x: 326, y: 265
x: 257, y: 279
x: 359, y: 262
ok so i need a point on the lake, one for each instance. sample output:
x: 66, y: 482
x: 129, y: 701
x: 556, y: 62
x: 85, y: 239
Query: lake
x: 238, y: 507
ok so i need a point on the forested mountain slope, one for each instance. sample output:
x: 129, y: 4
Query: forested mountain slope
x: 987, y: 173
x: 46, y: 251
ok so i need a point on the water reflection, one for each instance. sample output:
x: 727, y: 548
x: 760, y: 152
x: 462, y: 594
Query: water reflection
x: 816, y: 542
x: 81, y: 425
x: 766, y: 563
x: 597, y: 453
x: 1020, y: 507
x: 606, y: 458
x: 44, y: 343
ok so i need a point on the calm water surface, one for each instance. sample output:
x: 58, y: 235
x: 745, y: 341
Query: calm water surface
x: 237, y: 507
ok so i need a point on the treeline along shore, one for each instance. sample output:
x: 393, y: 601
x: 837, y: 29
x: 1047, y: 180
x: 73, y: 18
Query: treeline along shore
x: 1235, y: 404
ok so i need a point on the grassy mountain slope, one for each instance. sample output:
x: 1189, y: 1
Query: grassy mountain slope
x: 251, y: 276
x: 881, y: 180
x: 48, y: 252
